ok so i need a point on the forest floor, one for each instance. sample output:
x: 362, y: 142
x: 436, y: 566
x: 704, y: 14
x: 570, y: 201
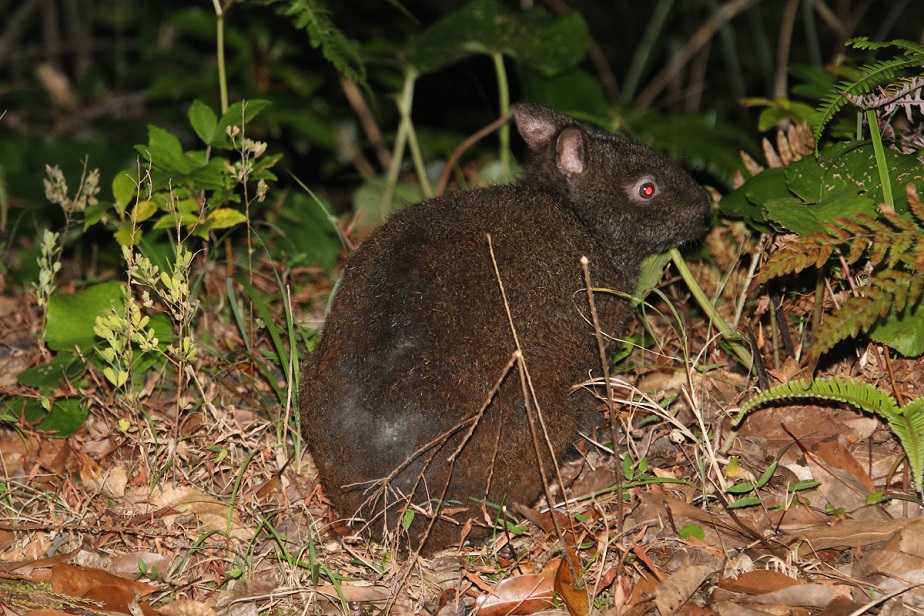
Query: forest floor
x: 207, y: 503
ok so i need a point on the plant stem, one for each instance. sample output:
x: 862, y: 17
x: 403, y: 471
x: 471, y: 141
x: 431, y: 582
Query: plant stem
x: 731, y: 336
x: 503, y: 93
x: 881, y: 162
x: 404, y: 106
x: 220, y: 42
x: 397, y: 155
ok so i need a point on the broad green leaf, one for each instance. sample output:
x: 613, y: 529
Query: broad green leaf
x: 127, y: 234
x: 574, y: 92
x: 48, y: 377
x: 213, y: 175
x: 746, y: 202
x: 164, y: 151
x: 692, y: 530
x: 124, y: 189
x: 740, y: 488
x: 144, y: 210
x: 223, y: 218
x: 241, y: 112
x: 798, y: 217
x: 903, y: 332
x: 203, y: 120
x: 64, y: 417
x: 71, y: 317
x: 747, y: 501
x: 485, y: 26
x: 851, y: 167
x: 652, y: 269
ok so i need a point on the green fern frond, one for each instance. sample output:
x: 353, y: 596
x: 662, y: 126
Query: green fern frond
x: 908, y: 427
x: 862, y: 42
x: 880, y: 72
x: 835, y: 389
x: 314, y: 17
x: 798, y: 253
x: 907, y: 423
x: 884, y: 290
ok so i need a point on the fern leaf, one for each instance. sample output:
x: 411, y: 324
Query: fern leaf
x: 914, y: 202
x: 835, y: 389
x: 314, y: 17
x: 875, y: 74
x: 883, y: 291
x: 907, y: 423
x: 908, y: 426
x: 797, y: 254
x: 862, y: 42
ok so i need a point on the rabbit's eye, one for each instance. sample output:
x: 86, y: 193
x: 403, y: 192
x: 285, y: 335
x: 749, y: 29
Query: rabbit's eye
x: 647, y: 189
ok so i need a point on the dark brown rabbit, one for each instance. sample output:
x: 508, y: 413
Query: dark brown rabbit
x: 418, y: 334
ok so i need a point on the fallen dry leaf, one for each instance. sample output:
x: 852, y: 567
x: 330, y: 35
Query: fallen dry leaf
x: 186, y: 607
x: 574, y: 595
x: 672, y: 593
x: 758, y: 582
x: 211, y: 512
x: 78, y: 581
x: 524, y: 594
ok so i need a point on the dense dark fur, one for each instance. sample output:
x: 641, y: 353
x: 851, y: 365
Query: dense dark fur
x: 418, y: 335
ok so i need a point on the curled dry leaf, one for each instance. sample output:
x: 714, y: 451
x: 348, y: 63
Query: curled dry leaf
x: 120, y: 599
x: 673, y: 592
x: 110, y: 482
x: 187, y: 607
x: 78, y: 581
x: 525, y: 594
x: 574, y: 592
x: 211, y: 512
x: 129, y: 564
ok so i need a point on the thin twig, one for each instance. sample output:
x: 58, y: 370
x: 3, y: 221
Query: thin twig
x: 611, y: 407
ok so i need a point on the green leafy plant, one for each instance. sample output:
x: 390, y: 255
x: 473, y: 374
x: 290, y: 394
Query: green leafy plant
x: 906, y: 422
x: 874, y: 75
x: 893, y: 247
x: 193, y: 190
x: 838, y: 208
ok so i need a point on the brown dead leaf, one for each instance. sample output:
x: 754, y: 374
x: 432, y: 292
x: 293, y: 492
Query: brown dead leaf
x: 836, y: 455
x: 574, y: 594
x: 758, y: 582
x: 128, y: 564
x: 525, y: 594
x: 847, y: 534
x: 78, y: 581
x: 119, y: 599
x: 355, y: 593
x: 110, y: 482
x: 676, y: 590
x: 816, y: 596
x: 211, y: 512
x: 186, y: 607
x: 46, y: 612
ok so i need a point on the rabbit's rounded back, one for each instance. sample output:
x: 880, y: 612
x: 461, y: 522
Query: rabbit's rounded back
x: 416, y: 363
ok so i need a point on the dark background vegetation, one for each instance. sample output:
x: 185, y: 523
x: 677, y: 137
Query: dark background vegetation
x: 128, y: 64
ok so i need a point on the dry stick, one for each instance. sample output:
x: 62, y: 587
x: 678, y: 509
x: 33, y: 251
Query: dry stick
x: 683, y: 56
x: 366, y: 119
x: 474, y: 419
x: 529, y: 393
x: 787, y: 24
x: 461, y: 149
x: 610, y: 405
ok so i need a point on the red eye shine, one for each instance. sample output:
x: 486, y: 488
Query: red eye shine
x: 647, y: 190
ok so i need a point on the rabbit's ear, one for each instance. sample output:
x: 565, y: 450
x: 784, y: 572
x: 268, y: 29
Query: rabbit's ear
x: 569, y: 152
x: 537, y: 124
